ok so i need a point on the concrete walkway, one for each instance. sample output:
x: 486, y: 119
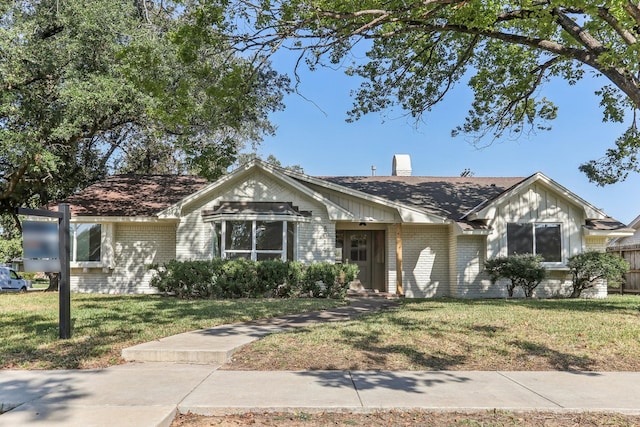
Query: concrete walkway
x: 151, y: 393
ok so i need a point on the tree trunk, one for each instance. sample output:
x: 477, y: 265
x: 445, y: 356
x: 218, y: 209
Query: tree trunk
x: 54, y: 280
x: 575, y: 292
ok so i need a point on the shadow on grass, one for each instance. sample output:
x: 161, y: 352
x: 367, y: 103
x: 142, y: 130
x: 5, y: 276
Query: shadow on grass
x: 630, y: 303
x: 103, y: 324
x: 558, y: 360
x: 378, y: 353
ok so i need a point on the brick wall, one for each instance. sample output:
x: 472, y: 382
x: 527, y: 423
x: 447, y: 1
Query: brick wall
x: 596, y: 244
x: 471, y: 280
x: 425, y: 260
x: 391, y: 259
x: 136, y: 245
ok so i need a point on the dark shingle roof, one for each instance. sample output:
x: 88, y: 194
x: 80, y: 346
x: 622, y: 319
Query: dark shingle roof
x: 449, y: 197
x: 133, y: 195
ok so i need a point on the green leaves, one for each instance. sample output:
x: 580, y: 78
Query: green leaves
x: 85, y: 91
x: 618, y: 162
x: 589, y: 267
x: 506, y: 51
x: 524, y: 270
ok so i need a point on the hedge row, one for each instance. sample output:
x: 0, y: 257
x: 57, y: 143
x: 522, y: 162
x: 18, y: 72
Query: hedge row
x: 241, y: 278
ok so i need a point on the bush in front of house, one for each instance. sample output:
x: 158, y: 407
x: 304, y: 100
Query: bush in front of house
x: 328, y: 280
x: 241, y: 278
x: 524, y: 270
x: 191, y: 279
x: 588, y: 268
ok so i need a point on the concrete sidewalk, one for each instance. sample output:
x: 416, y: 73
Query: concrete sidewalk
x: 151, y: 393
x: 216, y: 345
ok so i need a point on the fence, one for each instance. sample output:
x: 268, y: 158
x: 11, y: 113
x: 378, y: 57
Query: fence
x: 631, y: 253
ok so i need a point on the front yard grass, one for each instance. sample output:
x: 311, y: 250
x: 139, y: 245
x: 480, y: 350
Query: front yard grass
x: 446, y: 334
x: 102, y: 325
x: 586, y: 335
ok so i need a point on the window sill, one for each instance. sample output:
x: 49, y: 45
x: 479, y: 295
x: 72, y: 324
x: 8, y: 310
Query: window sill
x: 555, y: 267
x: 87, y: 264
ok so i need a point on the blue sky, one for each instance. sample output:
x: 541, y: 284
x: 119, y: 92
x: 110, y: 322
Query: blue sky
x: 312, y: 132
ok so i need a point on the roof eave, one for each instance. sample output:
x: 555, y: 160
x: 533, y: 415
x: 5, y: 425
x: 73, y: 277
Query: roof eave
x: 407, y: 213
x: 108, y: 219
x: 621, y: 232
x: 488, y: 210
x: 334, y: 211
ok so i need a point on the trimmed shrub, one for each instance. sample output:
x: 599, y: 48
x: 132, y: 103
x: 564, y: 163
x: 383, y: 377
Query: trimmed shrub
x: 241, y: 278
x: 271, y: 276
x: 189, y: 279
x: 524, y: 270
x: 329, y: 280
x: 590, y: 267
x: 292, y: 287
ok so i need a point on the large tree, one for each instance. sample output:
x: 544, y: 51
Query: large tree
x: 418, y: 50
x: 88, y: 87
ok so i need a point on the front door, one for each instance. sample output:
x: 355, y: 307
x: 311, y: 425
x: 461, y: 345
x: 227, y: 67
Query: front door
x: 366, y: 250
x: 359, y: 252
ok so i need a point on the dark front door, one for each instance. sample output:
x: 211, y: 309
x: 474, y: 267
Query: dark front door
x: 366, y: 250
x: 359, y: 252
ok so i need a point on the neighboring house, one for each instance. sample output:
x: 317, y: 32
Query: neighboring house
x: 629, y: 248
x: 415, y: 236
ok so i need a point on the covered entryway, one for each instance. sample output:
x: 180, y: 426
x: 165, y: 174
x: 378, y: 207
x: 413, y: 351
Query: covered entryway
x: 366, y: 249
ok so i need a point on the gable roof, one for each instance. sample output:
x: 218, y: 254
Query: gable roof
x: 133, y: 195
x: 461, y: 200
x: 335, y: 211
x: 447, y: 197
x: 634, y: 228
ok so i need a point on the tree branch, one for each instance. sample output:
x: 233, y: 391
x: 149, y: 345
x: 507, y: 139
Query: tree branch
x: 613, y: 22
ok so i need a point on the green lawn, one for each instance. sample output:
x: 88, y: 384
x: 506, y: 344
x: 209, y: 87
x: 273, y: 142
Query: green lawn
x: 446, y: 334
x: 420, y: 335
x: 104, y: 324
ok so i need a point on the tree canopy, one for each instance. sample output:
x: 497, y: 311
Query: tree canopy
x: 419, y: 50
x: 92, y: 87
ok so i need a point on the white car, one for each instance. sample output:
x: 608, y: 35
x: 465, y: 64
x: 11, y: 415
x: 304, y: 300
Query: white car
x: 11, y: 281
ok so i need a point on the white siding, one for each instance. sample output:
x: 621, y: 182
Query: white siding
x: 537, y: 203
x: 316, y: 238
x: 361, y: 209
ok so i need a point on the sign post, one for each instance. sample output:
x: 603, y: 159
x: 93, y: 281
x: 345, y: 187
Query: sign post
x: 64, y: 285
x: 56, y: 260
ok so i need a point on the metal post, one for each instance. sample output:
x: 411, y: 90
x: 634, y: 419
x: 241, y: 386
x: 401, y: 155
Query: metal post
x: 64, y: 286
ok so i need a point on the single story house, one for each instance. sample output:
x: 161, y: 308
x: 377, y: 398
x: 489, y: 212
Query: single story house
x: 410, y: 235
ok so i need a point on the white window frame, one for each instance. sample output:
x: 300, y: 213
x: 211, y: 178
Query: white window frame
x: 74, y: 244
x: 254, y: 251
x: 533, y: 234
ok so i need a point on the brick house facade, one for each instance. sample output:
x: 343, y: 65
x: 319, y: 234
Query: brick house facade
x: 415, y: 236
